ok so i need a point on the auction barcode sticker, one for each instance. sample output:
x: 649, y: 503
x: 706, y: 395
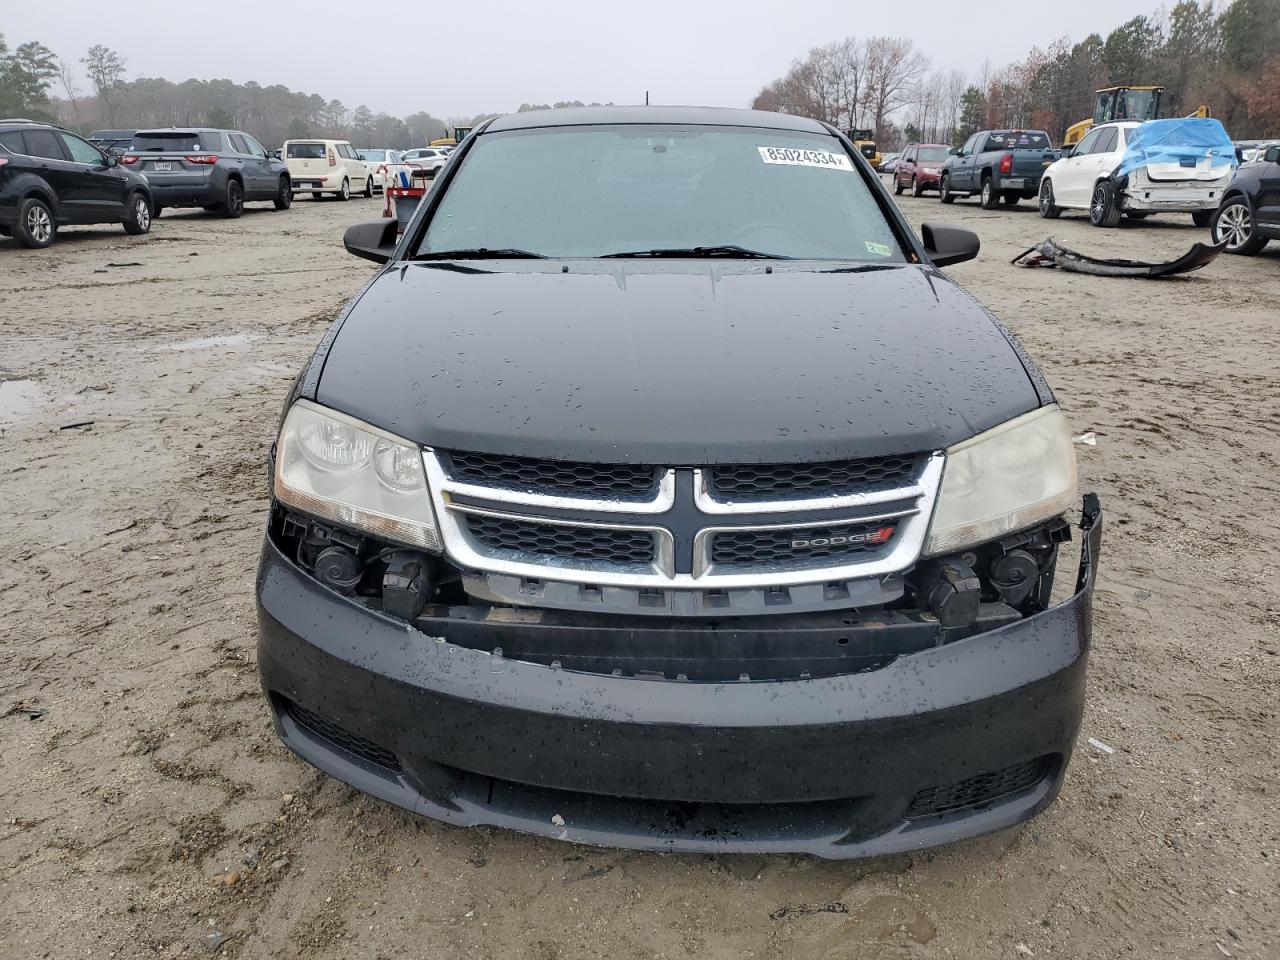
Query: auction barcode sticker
x: 805, y: 158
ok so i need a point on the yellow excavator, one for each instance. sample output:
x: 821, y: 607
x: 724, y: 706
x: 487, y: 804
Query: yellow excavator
x: 1126, y: 102
x: 864, y: 138
x: 459, y: 133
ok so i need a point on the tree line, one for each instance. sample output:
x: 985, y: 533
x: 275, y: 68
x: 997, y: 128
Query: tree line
x: 36, y: 84
x: 1225, y: 58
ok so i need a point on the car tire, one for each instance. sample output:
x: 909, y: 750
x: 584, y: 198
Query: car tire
x: 1202, y: 218
x: 233, y: 206
x: 1233, y: 224
x: 284, y: 194
x: 916, y: 189
x: 344, y: 192
x: 989, y: 198
x: 368, y: 187
x: 137, y: 214
x: 35, y: 226
x: 1104, y: 211
x: 944, y: 190
x: 1048, y: 209
x: 897, y: 185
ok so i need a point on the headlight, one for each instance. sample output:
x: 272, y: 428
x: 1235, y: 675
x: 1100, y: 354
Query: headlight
x: 336, y: 467
x: 1009, y: 478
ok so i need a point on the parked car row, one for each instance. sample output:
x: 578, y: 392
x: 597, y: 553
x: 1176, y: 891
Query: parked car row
x: 1240, y: 204
x: 50, y: 177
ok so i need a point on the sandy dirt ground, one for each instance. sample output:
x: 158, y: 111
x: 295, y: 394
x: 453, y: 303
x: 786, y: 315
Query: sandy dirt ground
x: 147, y: 809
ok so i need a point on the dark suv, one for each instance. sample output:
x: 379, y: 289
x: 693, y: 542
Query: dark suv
x: 49, y: 178
x: 661, y: 491
x: 213, y: 169
x: 1249, y: 216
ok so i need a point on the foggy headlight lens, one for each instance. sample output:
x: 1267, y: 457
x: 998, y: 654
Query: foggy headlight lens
x: 1009, y: 478
x: 336, y: 467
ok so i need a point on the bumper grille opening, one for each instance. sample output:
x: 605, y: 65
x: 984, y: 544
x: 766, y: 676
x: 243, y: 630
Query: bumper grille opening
x: 341, y: 737
x: 980, y: 790
x: 555, y: 476
x: 576, y: 543
x: 750, y: 547
x: 757, y: 481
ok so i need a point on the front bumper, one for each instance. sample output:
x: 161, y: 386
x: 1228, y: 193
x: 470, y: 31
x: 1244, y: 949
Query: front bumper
x: 833, y: 766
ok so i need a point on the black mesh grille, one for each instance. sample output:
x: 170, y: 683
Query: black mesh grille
x: 366, y: 749
x: 984, y: 788
x: 782, y: 480
x: 608, y: 479
x: 576, y: 543
x: 748, y: 547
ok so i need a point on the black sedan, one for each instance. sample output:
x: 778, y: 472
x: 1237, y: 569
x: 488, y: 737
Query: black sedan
x: 1249, y: 216
x: 660, y: 491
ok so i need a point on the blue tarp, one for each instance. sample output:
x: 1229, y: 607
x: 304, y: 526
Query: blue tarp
x: 1182, y: 141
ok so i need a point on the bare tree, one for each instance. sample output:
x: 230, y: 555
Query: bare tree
x: 69, y: 86
x: 105, y: 68
x: 894, y: 68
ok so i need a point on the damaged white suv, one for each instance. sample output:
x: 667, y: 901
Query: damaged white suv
x: 1174, y: 166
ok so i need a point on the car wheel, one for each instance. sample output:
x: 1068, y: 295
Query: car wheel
x: 284, y: 194
x: 944, y: 190
x: 368, y: 186
x: 916, y: 189
x: 897, y: 185
x: 1233, y: 225
x: 234, y: 205
x: 137, y: 215
x: 1103, y: 209
x: 345, y: 192
x: 1202, y: 218
x: 35, y: 226
x: 1048, y: 209
x: 989, y: 198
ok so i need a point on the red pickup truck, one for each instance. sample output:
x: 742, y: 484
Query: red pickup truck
x: 919, y: 167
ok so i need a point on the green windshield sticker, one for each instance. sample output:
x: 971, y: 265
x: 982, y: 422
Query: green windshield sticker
x: 879, y: 249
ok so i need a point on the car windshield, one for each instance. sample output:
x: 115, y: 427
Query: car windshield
x: 168, y: 142
x: 649, y: 189
x: 932, y: 154
x: 305, y: 151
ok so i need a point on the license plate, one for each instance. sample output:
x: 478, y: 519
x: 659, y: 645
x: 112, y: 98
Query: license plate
x: 1012, y: 183
x: 162, y: 166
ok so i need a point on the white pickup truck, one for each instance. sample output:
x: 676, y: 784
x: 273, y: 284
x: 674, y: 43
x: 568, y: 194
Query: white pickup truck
x: 1085, y: 179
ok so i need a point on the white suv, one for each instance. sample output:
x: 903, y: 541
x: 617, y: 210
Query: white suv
x: 327, y: 166
x: 1081, y: 180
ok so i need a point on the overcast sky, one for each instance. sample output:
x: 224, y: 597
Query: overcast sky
x: 462, y: 57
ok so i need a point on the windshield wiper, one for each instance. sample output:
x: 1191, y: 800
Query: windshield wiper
x: 721, y: 250
x: 481, y: 253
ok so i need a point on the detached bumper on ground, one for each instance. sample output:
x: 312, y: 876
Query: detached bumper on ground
x: 938, y: 745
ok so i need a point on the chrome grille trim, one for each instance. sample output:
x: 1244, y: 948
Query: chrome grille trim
x: 708, y: 502
x: 912, y: 512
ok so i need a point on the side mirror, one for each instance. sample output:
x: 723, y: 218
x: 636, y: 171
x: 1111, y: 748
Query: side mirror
x: 955, y: 152
x: 373, y: 239
x: 1272, y: 155
x: 111, y: 160
x: 275, y: 154
x: 946, y: 245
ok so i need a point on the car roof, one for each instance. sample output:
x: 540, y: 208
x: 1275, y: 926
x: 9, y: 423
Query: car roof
x: 710, y: 116
x: 171, y: 130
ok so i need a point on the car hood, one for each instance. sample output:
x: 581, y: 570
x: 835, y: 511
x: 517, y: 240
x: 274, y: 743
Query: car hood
x: 673, y: 362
